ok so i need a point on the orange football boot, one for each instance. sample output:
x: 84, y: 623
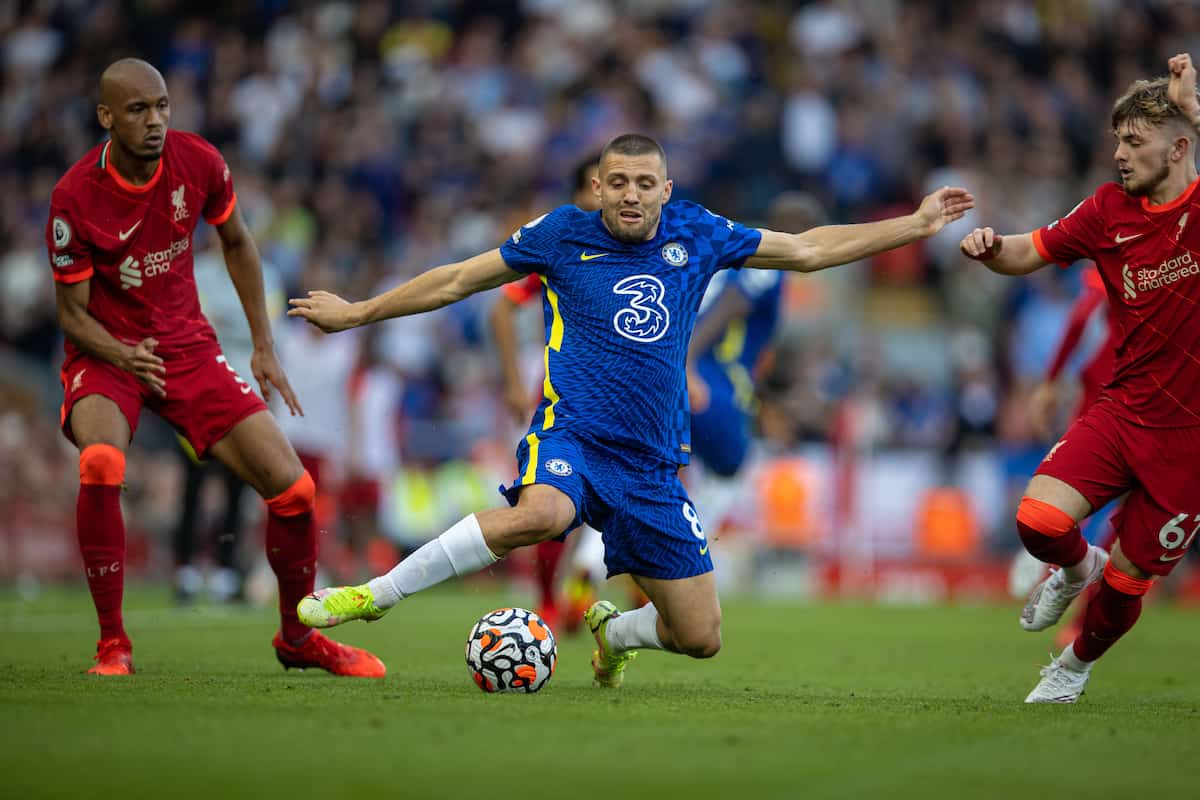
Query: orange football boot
x: 324, y: 653
x: 113, y: 657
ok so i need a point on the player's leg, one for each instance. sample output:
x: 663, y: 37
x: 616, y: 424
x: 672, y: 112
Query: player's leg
x: 1104, y: 536
x: 257, y: 452
x: 544, y: 503
x: 688, y: 617
x: 216, y: 411
x: 1111, y: 613
x: 683, y: 616
x: 654, y: 534
x: 1083, y: 471
x: 102, y: 432
x: 473, y: 543
x: 1154, y: 530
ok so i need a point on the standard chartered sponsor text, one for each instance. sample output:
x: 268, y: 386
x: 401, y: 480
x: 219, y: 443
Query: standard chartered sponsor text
x: 1168, y: 272
x: 160, y: 260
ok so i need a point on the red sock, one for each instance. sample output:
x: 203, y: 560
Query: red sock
x: 1049, y: 534
x: 292, y: 551
x: 546, y: 557
x: 101, y: 532
x: 1112, y: 612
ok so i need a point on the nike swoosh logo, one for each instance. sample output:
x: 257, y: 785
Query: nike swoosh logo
x: 1119, y: 239
x: 704, y: 550
x: 588, y: 257
x: 123, y: 235
x: 245, y: 390
x: 1172, y: 558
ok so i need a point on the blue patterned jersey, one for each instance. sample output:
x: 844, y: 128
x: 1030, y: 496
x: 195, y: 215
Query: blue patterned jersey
x: 744, y: 339
x: 618, y: 320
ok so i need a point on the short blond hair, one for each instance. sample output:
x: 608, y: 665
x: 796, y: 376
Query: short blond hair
x: 1147, y: 101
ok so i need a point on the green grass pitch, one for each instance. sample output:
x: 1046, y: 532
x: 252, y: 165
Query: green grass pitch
x: 808, y: 701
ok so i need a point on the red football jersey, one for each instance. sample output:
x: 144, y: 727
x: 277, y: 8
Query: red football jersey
x: 1149, y: 258
x: 524, y: 290
x: 135, y: 242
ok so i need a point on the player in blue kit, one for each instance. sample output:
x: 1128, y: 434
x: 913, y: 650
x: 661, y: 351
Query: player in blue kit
x: 743, y: 307
x: 738, y: 317
x: 623, y: 287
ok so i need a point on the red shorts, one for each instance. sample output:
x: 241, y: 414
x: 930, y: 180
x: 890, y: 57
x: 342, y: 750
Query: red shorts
x: 205, y: 397
x: 1103, y: 455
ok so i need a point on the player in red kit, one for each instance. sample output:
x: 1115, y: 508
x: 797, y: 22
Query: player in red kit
x: 1089, y: 312
x: 120, y: 242
x: 1142, y: 435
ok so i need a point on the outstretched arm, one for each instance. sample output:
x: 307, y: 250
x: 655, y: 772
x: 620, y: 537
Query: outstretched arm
x: 831, y: 245
x: 435, y: 288
x: 1006, y: 255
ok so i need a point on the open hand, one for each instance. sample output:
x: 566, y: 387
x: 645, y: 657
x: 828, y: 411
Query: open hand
x: 326, y: 310
x: 944, y: 206
x: 264, y: 364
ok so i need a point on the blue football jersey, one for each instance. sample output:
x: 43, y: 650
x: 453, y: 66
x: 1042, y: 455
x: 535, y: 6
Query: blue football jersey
x: 618, y: 320
x: 744, y: 339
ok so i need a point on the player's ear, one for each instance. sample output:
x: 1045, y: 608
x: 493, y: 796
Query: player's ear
x: 670, y: 184
x: 1185, y: 147
x: 104, y: 116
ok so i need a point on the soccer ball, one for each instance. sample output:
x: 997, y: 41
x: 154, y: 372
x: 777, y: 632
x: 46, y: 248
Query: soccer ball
x: 511, y: 650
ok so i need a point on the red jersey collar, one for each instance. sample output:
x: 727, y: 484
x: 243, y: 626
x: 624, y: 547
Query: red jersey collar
x: 107, y: 165
x: 1173, y: 204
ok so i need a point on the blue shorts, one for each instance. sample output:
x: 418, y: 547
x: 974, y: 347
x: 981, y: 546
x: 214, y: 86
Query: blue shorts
x: 649, y: 525
x: 721, y: 432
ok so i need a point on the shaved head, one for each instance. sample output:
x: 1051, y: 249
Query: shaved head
x: 129, y: 74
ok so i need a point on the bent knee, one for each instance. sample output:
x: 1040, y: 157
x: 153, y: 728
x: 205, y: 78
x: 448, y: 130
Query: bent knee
x: 1044, y: 518
x: 702, y: 644
x: 543, y: 515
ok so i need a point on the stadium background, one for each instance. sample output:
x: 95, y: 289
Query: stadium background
x: 371, y: 140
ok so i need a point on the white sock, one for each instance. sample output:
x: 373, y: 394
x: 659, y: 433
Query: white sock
x: 459, y: 551
x: 1083, y: 570
x: 1073, y: 662
x: 633, y: 630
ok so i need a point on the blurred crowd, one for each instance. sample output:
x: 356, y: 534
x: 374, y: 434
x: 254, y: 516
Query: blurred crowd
x: 370, y: 140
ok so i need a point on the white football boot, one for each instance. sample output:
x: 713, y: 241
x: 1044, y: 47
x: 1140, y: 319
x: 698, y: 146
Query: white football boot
x: 1060, y: 683
x: 1050, y: 598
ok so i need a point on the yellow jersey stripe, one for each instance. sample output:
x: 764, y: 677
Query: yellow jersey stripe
x: 556, y: 324
x: 555, y: 344
x: 531, y: 468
